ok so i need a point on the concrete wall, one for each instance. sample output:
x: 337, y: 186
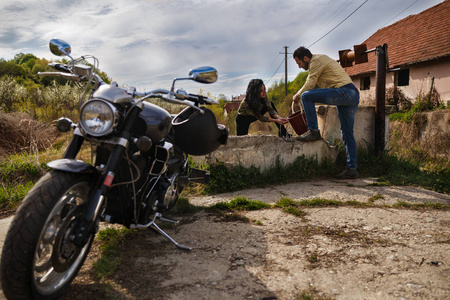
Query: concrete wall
x: 264, y: 150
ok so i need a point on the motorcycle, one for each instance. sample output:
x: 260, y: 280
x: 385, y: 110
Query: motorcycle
x: 139, y: 166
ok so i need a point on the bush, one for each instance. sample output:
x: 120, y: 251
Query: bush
x: 11, y: 93
x: 18, y: 132
x: 227, y: 179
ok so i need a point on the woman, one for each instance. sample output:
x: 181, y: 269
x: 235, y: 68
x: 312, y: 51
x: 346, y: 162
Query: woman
x: 253, y: 108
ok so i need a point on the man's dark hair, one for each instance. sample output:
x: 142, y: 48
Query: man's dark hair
x: 301, y: 52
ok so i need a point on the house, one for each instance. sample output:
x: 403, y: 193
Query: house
x: 234, y: 104
x: 419, y: 47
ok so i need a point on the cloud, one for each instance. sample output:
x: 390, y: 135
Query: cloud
x: 147, y: 43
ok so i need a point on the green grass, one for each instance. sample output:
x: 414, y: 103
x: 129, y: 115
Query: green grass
x: 290, y: 206
x: 239, y: 204
x: 183, y: 207
x: 110, y: 240
x: 11, y: 195
x: 416, y: 206
x: 227, y: 179
x: 17, y: 177
x: 390, y: 169
x: 376, y: 197
x: 18, y: 173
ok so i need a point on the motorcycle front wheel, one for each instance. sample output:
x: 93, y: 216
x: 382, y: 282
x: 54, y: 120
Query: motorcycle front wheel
x: 39, y: 259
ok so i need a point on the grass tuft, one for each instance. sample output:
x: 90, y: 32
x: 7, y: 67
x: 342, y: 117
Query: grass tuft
x: 239, y: 203
x: 110, y: 240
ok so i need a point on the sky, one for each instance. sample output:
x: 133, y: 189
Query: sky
x: 148, y: 43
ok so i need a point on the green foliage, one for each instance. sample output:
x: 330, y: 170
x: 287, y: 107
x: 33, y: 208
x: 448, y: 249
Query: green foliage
x: 11, y: 94
x: 276, y: 93
x: 240, y: 203
x: 226, y: 179
x: 11, y: 195
x: 43, y: 97
x: 417, y: 206
x: 11, y: 171
x: 320, y: 202
x: 394, y: 170
x: 290, y: 206
x: 423, y: 103
x: 16, y: 179
x: 184, y: 207
x: 376, y: 197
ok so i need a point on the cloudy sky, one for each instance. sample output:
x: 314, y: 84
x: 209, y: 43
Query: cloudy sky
x: 147, y: 43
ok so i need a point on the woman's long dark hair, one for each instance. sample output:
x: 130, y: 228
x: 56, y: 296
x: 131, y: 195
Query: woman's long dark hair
x: 253, y: 95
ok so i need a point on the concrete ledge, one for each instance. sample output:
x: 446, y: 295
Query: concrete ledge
x: 364, y: 129
x: 263, y: 151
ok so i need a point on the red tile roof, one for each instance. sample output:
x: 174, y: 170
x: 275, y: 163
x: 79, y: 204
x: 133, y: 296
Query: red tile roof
x: 417, y: 38
x: 230, y: 106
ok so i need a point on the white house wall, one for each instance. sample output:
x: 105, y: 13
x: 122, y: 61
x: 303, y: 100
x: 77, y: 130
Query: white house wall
x: 420, y: 78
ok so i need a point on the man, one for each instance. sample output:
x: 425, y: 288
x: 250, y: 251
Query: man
x: 335, y: 87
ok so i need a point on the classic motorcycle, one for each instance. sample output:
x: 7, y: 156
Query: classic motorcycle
x: 139, y: 166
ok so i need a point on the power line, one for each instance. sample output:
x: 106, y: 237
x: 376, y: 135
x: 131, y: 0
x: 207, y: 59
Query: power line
x: 313, y: 20
x: 338, y: 24
x: 275, y: 72
x: 399, y: 13
x: 270, y: 67
x: 392, y: 19
x: 327, y: 6
x: 328, y: 20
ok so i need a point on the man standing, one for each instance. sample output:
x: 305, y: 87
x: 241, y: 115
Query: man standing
x: 335, y: 87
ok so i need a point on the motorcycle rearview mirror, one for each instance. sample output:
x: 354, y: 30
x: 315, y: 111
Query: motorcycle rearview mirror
x: 204, y: 74
x: 60, y: 48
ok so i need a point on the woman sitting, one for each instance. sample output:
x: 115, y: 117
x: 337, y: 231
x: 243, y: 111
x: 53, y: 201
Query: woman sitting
x: 253, y: 108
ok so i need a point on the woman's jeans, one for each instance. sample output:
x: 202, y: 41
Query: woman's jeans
x: 346, y: 100
x: 243, y: 123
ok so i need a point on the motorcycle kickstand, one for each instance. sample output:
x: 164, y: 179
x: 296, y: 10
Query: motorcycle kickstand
x: 154, y: 226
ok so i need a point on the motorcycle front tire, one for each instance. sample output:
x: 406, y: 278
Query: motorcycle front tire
x: 39, y: 259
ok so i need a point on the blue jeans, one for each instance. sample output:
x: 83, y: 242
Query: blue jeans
x: 346, y: 100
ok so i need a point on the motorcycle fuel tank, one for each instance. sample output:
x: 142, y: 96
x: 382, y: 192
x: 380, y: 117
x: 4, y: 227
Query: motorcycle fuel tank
x: 157, y: 120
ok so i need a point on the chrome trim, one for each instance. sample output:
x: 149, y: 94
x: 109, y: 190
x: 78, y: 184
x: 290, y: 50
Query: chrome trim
x: 161, y: 158
x: 115, y: 120
x: 121, y: 141
x: 97, y: 209
x: 78, y: 132
x: 110, y: 141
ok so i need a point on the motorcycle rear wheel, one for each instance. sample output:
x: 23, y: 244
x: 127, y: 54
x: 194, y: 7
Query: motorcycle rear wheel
x: 39, y: 259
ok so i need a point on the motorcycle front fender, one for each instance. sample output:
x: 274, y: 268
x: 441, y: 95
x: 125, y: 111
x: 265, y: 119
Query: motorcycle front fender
x: 72, y: 166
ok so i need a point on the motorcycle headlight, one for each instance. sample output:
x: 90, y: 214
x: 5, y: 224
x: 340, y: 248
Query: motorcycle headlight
x: 98, y: 117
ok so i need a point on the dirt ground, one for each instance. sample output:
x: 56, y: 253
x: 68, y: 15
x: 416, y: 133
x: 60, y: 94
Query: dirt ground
x: 341, y: 252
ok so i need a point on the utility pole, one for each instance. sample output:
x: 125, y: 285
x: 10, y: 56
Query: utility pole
x: 359, y: 55
x: 285, y: 71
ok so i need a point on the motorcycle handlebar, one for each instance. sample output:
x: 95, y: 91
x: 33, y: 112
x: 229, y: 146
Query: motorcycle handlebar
x: 61, y: 74
x: 178, y: 97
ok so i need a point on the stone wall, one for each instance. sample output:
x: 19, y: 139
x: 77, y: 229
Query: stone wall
x: 428, y: 134
x: 263, y: 151
x: 430, y: 131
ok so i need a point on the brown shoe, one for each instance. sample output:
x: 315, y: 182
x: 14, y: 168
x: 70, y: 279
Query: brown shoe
x: 347, y: 174
x: 309, y: 136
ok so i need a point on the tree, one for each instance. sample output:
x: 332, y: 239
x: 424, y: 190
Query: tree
x: 22, y: 58
x: 10, y: 68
